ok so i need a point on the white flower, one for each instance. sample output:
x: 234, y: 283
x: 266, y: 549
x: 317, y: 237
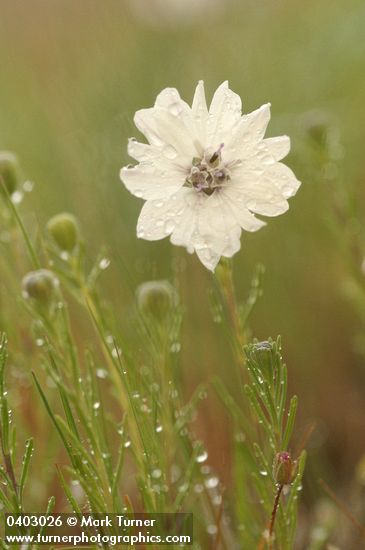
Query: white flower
x: 205, y: 173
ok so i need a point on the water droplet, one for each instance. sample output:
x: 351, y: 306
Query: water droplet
x: 96, y: 405
x: 28, y: 186
x: 175, y: 108
x: 104, y: 263
x: 65, y: 256
x: 169, y: 152
x: 212, y: 482
x: 175, y: 347
x: 202, y: 457
x: 159, y: 429
x: 127, y: 444
x: 169, y: 226
x: 17, y: 197
x: 101, y: 373
x: 212, y: 529
x: 116, y: 352
x: 156, y: 474
x: 251, y: 204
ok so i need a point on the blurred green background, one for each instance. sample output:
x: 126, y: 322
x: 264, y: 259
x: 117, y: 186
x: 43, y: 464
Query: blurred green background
x: 73, y: 73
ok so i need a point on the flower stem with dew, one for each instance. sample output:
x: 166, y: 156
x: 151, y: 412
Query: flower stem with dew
x: 13, y: 209
x: 113, y: 368
x: 224, y: 278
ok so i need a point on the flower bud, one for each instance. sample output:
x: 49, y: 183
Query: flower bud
x: 156, y: 298
x: 284, y: 468
x: 64, y: 230
x: 40, y: 286
x: 9, y: 171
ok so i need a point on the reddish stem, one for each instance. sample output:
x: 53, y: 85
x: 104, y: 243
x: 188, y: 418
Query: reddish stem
x: 273, y: 514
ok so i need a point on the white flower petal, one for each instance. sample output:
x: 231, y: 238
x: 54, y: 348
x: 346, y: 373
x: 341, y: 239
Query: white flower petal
x: 246, y: 133
x: 208, y: 257
x: 185, y: 230
x: 258, y: 192
x: 283, y: 178
x: 147, y: 181
x: 169, y: 98
x: 160, y: 218
x: 163, y: 129
x: 200, y: 111
x: 224, y: 112
x: 243, y: 216
x: 218, y: 231
x: 142, y: 151
x: 278, y: 147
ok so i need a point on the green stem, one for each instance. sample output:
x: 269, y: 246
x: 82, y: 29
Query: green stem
x: 31, y: 251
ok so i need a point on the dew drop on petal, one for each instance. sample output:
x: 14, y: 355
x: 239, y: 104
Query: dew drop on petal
x: 169, y: 152
x: 169, y: 226
x: 251, y: 204
x: 175, y: 108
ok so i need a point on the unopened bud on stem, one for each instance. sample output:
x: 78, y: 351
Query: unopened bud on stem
x: 284, y: 468
x: 156, y: 298
x: 40, y: 286
x: 64, y: 230
x: 9, y: 171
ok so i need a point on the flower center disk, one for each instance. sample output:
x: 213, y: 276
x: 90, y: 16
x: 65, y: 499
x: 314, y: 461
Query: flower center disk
x: 208, y: 173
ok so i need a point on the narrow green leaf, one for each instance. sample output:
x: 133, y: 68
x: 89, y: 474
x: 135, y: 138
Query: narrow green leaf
x: 29, y: 447
x: 290, y: 422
